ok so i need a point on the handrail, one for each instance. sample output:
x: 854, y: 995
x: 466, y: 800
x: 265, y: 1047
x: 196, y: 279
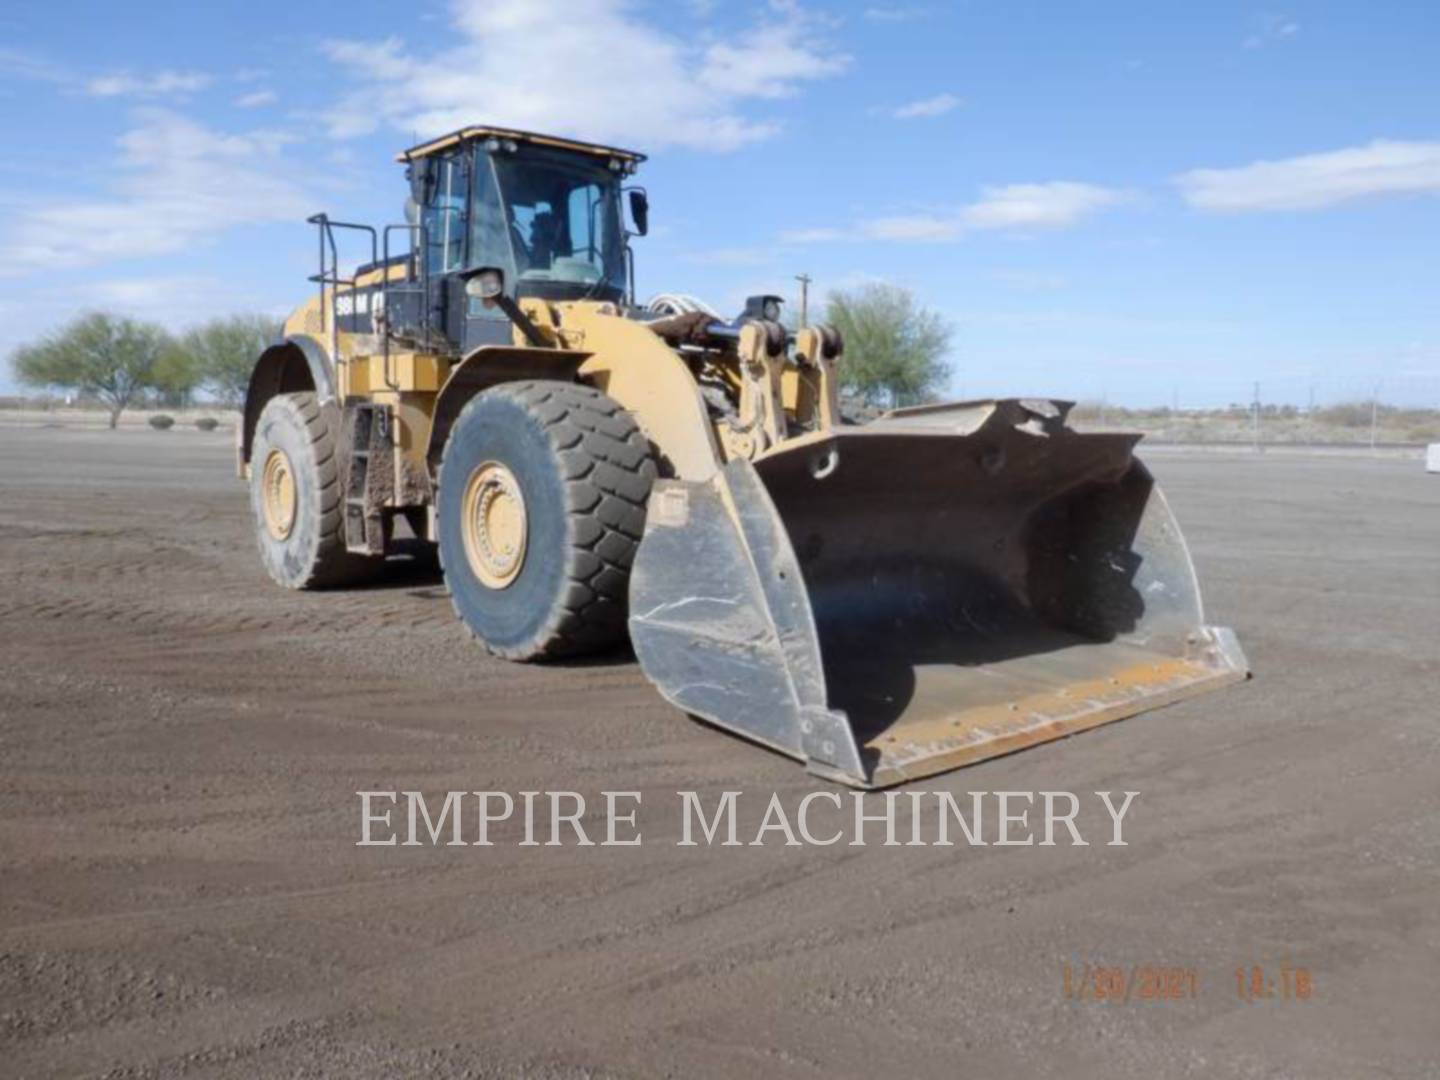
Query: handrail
x: 330, y: 270
x: 418, y: 251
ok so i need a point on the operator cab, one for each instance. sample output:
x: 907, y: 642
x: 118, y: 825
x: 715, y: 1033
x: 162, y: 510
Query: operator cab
x: 545, y: 211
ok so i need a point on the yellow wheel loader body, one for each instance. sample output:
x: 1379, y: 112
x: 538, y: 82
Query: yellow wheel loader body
x: 882, y: 601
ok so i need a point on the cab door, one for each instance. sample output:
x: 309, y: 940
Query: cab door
x: 490, y: 245
x: 446, y: 235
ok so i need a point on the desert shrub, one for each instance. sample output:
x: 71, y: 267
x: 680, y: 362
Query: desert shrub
x: 161, y: 422
x: 1348, y: 414
x: 207, y: 423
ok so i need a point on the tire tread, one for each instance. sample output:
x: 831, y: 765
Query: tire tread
x: 333, y: 564
x: 606, y: 466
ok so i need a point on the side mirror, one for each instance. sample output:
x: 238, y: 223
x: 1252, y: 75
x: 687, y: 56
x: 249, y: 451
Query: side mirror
x: 485, y: 284
x: 640, y: 210
x: 412, y: 212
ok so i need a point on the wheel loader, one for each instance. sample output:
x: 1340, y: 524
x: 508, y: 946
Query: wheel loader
x: 882, y: 601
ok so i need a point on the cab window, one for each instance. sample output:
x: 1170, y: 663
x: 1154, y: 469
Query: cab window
x: 445, y: 218
x: 562, y: 215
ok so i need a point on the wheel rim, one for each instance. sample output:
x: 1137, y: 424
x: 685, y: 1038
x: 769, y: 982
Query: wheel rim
x: 494, y: 523
x: 277, y: 495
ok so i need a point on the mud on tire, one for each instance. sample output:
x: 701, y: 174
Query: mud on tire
x: 584, y: 471
x: 311, y: 554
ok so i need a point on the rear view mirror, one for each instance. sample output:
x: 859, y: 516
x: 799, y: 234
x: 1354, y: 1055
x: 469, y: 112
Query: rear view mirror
x: 485, y: 284
x: 640, y: 210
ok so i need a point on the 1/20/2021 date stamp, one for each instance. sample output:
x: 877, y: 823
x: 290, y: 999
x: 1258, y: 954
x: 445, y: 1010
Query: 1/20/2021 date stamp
x: 1118, y: 984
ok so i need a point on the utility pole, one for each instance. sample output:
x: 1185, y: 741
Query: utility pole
x: 1255, y: 418
x: 1310, y: 415
x: 804, y: 280
x: 1374, y: 414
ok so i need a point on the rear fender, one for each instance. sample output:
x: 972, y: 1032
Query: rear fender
x: 294, y: 365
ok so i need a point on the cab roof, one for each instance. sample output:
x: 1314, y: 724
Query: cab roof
x: 466, y: 134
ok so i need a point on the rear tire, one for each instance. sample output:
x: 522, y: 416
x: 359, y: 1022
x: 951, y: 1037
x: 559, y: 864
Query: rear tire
x: 542, y: 493
x: 297, y: 498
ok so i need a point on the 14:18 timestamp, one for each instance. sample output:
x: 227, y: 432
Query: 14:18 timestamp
x: 1257, y: 984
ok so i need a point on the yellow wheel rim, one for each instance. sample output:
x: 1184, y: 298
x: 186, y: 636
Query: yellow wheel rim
x: 277, y: 494
x: 492, y: 518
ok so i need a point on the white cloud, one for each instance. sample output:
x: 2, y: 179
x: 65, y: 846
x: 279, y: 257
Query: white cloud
x: 173, y: 300
x: 257, y: 99
x: 1051, y: 205
x: 938, y: 105
x: 178, y: 183
x: 159, y: 84
x: 589, y: 68
x: 922, y: 227
x: 812, y: 236
x: 1313, y: 181
x: 18, y: 64
x: 1270, y: 27
x: 765, y: 63
x: 893, y: 14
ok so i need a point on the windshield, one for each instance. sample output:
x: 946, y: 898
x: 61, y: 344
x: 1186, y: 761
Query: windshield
x: 563, y: 217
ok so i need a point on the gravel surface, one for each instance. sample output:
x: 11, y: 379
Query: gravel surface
x: 181, y: 744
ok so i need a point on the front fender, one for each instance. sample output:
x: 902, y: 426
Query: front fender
x: 489, y: 366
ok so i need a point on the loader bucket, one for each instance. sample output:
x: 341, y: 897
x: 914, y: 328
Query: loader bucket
x: 929, y: 590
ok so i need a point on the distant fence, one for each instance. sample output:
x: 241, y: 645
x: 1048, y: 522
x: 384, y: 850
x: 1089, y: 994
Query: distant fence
x: 1395, y: 411
x: 54, y: 413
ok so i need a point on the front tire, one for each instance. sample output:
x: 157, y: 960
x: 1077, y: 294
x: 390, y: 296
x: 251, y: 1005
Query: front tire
x: 542, y: 495
x: 296, y: 496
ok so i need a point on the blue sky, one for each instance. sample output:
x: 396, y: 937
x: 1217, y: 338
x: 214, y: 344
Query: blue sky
x: 1145, y: 201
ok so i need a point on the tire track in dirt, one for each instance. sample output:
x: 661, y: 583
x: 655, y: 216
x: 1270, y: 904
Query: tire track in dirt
x: 180, y: 744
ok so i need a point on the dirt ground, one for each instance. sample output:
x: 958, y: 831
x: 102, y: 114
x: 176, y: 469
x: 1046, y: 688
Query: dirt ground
x: 180, y: 890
